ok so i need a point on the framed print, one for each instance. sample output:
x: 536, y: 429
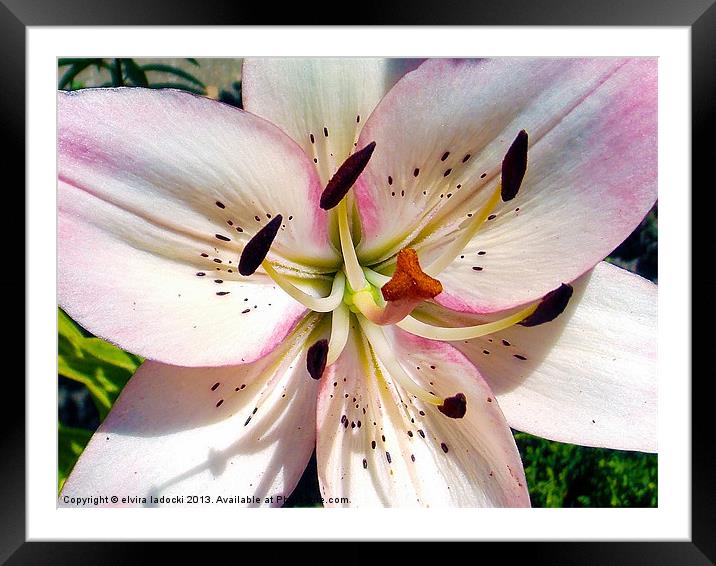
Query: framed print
x: 413, y: 275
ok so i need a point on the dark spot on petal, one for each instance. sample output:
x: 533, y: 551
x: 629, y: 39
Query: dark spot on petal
x: 220, y: 204
x: 445, y: 156
x: 222, y: 293
x: 200, y: 274
x: 220, y: 402
x: 519, y: 356
x: 416, y: 172
x: 464, y: 159
x: 444, y: 447
x: 213, y: 387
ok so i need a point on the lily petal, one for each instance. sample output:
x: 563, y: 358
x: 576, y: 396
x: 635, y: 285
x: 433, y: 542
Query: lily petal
x: 191, y: 164
x: 320, y: 103
x: 154, y: 188
x: 378, y: 446
x: 245, y: 430
x: 591, y: 170
x: 588, y: 377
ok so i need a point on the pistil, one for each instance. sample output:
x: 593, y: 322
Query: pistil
x: 406, y: 289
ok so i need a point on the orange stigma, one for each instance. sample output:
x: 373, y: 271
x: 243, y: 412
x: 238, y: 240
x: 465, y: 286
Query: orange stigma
x: 409, y: 281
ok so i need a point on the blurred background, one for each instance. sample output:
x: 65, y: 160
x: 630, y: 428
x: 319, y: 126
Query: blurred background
x: 91, y: 372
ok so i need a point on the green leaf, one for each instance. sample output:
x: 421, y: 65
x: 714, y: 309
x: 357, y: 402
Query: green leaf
x: 135, y: 73
x: 63, y: 62
x: 565, y: 475
x: 73, y: 71
x: 102, y: 367
x: 70, y: 444
x: 158, y: 68
x: 66, y: 327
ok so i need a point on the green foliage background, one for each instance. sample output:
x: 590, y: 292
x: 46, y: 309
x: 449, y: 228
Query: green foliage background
x: 93, y: 372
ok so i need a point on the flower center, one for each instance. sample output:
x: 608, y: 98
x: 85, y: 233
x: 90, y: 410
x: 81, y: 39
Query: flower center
x: 377, y: 300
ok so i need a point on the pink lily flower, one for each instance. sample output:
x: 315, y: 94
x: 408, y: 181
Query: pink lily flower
x: 391, y: 263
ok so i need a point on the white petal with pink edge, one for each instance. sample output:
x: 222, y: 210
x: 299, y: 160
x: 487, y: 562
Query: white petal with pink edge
x: 165, y: 302
x: 378, y: 446
x: 320, y: 103
x: 158, y: 193
x: 591, y: 174
x: 195, y: 166
x: 588, y: 377
x: 241, y: 431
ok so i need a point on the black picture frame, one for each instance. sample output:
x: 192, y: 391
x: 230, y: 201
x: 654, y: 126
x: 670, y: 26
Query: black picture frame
x: 698, y: 15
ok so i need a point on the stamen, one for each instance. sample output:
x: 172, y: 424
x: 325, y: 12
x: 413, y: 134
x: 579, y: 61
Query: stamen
x: 382, y: 349
x: 454, y: 407
x: 458, y: 245
x: 316, y: 358
x: 257, y: 248
x: 340, y: 329
x: 345, y: 177
x: 552, y: 305
x: 514, y: 166
x: 409, y: 281
x: 317, y: 304
x: 548, y: 308
x: 350, y: 259
x: 414, y: 326
x: 374, y: 278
